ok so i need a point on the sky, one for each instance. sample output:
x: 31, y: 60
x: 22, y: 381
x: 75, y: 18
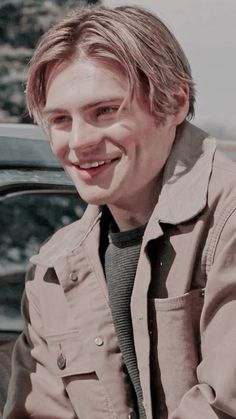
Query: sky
x: 206, y: 30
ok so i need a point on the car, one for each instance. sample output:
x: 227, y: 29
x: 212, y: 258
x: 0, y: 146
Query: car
x: 36, y: 198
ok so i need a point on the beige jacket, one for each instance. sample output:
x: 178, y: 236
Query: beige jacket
x: 67, y: 364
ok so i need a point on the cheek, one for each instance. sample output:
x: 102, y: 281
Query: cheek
x: 119, y: 133
x: 59, y: 145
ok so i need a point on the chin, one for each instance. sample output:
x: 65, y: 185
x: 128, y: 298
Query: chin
x: 96, y: 195
x: 95, y: 200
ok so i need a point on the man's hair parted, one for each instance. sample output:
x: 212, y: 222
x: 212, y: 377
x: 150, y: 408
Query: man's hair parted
x: 130, y: 39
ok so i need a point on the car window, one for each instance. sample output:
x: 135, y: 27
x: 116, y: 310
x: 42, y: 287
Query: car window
x: 26, y: 221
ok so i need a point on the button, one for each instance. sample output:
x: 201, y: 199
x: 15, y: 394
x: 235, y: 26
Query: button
x: 132, y: 415
x: 73, y: 276
x: 61, y: 362
x: 98, y: 341
x: 202, y: 293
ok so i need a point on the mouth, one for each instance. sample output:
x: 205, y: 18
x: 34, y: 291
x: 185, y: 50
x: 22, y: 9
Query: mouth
x: 91, y: 169
x: 94, y: 164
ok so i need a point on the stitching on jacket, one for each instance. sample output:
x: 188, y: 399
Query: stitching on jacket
x: 83, y: 238
x: 215, y: 237
x: 94, y: 271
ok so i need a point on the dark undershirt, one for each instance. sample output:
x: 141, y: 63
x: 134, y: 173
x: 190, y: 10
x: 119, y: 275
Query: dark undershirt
x: 120, y: 263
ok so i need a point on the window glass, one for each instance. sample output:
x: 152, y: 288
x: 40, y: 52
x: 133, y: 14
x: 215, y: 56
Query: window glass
x: 26, y: 221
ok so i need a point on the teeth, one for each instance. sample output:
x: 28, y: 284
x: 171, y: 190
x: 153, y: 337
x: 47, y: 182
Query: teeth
x: 94, y: 164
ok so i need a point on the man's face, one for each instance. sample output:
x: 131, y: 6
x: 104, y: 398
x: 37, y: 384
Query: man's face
x: 112, y: 149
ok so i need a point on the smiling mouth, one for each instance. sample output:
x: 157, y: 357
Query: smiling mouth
x: 94, y: 164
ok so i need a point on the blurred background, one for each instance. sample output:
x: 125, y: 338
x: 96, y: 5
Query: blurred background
x: 22, y: 22
x: 205, y: 28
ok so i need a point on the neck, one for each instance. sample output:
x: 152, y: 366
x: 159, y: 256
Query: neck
x: 127, y: 221
x: 135, y: 212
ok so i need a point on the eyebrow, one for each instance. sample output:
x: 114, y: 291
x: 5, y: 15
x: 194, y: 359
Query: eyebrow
x: 48, y: 111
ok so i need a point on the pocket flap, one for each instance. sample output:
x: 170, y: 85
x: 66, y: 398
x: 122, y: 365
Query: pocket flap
x: 192, y: 298
x: 70, y: 356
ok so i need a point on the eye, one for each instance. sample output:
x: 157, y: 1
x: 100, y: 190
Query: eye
x: 106, y: 111
x: 59, y: 120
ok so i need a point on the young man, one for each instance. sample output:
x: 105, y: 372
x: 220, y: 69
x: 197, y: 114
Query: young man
x: 130, y: 311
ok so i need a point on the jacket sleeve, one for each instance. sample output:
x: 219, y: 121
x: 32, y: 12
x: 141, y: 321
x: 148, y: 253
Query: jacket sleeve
x: 215, y: 394
x: 34, y: 389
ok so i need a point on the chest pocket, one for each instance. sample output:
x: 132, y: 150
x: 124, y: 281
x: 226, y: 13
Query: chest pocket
x: 73, y: 365
x: 175, y: 342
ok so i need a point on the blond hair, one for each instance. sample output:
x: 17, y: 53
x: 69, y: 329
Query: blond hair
x: 129, y: 38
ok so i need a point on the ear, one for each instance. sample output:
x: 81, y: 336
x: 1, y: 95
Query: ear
x: 182, y: 100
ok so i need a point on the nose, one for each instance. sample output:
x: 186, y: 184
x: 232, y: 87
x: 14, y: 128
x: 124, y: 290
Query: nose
x: 84, y: 135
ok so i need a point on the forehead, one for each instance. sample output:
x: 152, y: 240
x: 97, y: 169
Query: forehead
x: 85, y: 76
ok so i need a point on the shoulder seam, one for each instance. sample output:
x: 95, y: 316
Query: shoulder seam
x: 216, y: 233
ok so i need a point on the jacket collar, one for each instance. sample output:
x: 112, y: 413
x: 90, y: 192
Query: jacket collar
x: 68, y: 239
x: 183, y: 195
x: 186, y: 175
